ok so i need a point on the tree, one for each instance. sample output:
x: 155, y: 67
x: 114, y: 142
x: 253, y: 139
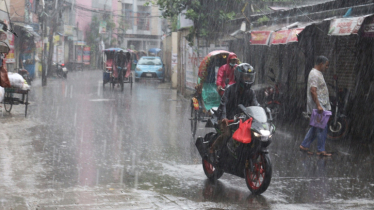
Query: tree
x: 208, y: 16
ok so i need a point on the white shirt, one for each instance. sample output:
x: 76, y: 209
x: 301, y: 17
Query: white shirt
x: 315, y: 79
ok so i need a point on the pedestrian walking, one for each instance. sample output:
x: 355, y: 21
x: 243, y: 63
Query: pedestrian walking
x: 317, y: 98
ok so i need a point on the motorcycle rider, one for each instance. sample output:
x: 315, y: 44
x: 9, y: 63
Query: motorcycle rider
x: 238, y: 93
x: 226, y: 71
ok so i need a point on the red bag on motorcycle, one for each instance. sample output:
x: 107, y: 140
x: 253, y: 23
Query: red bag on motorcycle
x: 243, y: 134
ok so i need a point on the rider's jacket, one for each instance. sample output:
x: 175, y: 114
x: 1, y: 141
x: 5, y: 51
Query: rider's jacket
x: 234, y: 95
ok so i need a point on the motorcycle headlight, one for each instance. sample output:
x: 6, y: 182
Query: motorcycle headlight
x: 256, y: 134
x: 137, y: 69
x: 265, y: 133
x: 160, y: 69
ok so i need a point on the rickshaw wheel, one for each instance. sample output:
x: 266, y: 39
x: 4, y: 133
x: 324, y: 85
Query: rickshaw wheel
x: 131, y: 80
x: 8, y: 107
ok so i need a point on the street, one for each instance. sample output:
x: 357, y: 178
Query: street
x: 83, y: 146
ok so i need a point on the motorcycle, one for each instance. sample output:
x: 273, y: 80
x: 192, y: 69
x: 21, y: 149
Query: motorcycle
x: 61, y: 70
x: 249, y: 161
x: 338, y: 124
x: 273, y: 97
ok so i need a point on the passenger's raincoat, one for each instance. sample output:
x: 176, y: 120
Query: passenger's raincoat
x: 226, y: 71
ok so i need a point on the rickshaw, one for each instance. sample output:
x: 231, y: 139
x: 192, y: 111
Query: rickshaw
x: 10, y: 97
x: 113, y: 73
x: 206, y: 96
x: 154, y: 52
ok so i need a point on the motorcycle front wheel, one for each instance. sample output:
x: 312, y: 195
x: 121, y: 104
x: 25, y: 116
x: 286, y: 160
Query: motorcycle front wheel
x: 258, y: 176
x: 210, y: 171
x: 339, y: 131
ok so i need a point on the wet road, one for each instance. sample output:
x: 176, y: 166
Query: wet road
x: 85, y: 147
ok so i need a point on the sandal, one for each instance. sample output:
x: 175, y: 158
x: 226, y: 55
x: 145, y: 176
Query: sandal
x: 324, y: 153
x: 304, y: 149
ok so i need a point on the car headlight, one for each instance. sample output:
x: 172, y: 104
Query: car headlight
x: 137, y: 69
x: 160, y: 69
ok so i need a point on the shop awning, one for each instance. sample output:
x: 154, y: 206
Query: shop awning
x: 28, y: 29
x: 348, y: 26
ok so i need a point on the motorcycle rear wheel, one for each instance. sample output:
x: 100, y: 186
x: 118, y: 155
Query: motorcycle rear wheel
x: 258, y: 178
x: 339, y: 131
x: 210, y: 171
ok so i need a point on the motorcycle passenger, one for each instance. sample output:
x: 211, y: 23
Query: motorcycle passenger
x: 226, y: 71
x: 238, y: 93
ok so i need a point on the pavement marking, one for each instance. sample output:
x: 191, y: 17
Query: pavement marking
x: 101, y: 100
x: 98, y: 88
x: 71, y: 91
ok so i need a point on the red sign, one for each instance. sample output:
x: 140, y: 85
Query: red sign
x: 293, y: 35
x: 86, y: 55
x: 260, y: 37
x: 280, y: 37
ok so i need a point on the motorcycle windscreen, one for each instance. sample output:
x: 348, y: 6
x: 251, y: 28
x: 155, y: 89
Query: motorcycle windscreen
x: 210, y: 96
x: 258, y: 113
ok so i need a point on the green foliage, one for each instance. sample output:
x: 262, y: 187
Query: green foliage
x: 208, y: 16
x: 263, y: 19
x: 92, y: 34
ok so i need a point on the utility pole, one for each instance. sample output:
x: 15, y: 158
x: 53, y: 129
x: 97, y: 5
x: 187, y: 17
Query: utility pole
x: 53, y: 27
x: 44, y: 57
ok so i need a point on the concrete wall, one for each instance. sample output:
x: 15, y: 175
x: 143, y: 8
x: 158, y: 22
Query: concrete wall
x: 3, y: 10
x: 17, y: 10
x: 174, y: 60
x: 83, y: 18
x: 166, y: 50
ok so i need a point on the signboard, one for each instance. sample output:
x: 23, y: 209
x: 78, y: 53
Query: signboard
x: 293, y: 34
x: 86, y: 55
x: 68, y: 30
x: 60, y: 54
x: 10, y: 58
x: 280, y: 37
x: 174, y: 59
x: 79, y: 53
x: 260, y: 37
x: 345, y: 26
x: 56, y: 39
x: 102, y: 27
x: 81, y: 43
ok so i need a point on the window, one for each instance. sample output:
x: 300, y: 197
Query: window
x: 149, y: 61
x: 129, y: 14
x: 143, y: 17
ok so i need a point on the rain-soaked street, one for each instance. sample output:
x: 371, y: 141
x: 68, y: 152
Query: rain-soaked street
x: 85, y: 147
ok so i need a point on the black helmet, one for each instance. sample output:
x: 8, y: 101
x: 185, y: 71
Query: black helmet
x: 245, y: 74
